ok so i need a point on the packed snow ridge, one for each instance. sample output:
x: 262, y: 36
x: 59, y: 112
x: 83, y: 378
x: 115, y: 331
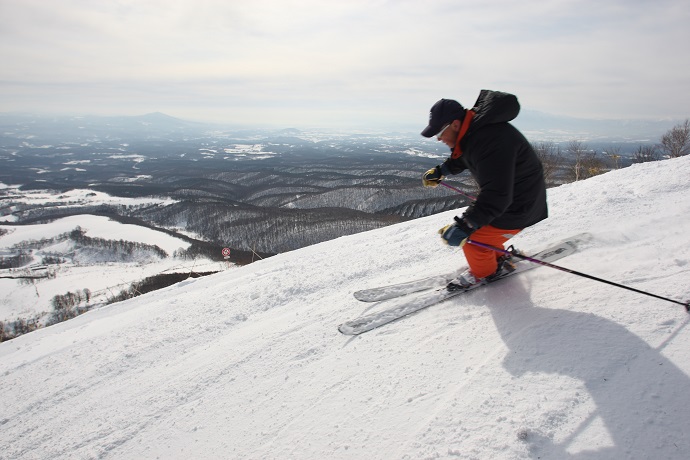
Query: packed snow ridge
x: 249, y: 363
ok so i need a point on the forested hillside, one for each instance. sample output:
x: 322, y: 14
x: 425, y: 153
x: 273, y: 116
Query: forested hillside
x: 264, y: 191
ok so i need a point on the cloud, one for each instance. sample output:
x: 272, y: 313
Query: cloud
x: 341, y: 62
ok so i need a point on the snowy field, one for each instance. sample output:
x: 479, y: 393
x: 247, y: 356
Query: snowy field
x: 103, y: 279
x: 95, y: 227
x: 76, y: 197
x: 248, y: 364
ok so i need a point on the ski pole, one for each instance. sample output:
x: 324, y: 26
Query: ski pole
x: 573, y: 272
x: 473, y: 198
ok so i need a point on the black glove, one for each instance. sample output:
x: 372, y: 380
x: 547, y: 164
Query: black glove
x: 432, y: 177
x: 456, y: 234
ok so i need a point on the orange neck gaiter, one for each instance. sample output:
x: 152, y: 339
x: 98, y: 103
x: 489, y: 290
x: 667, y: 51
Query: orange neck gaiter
x: 457, y: 151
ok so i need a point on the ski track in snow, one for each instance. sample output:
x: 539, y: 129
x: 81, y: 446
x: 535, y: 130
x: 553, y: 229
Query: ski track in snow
x: 249, y: 364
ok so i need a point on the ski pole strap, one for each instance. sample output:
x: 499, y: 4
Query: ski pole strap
x: 573, y: 272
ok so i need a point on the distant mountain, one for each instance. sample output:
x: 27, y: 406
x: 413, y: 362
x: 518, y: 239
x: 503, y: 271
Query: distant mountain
x: 544, y: 126
x: 63, y: 128
x: 538, y: 126
x: 291, y: 132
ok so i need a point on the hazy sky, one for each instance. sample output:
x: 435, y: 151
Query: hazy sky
x: 346, y: 63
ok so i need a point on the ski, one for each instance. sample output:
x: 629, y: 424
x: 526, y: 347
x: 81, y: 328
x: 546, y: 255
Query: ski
x: 403, y: 306
x: 398, y: 290
x: 406, y: 304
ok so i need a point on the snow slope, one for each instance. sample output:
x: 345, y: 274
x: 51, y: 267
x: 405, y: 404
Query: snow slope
x: 249, y: 363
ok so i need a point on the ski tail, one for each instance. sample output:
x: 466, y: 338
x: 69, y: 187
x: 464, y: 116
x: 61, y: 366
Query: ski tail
x: 377, y: 294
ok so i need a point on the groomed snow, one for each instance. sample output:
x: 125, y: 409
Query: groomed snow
x: 248, y: 364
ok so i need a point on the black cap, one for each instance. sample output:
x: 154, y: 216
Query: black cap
x: 443, y: 112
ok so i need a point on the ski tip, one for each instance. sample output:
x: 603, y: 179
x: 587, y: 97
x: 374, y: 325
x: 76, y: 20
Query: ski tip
x: 361, y: 296
x: 345, y: 329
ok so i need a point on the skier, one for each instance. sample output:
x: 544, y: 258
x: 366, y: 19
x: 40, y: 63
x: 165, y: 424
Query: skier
x: 512, y: 192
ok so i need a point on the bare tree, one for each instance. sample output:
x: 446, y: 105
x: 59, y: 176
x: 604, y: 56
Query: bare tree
x: 551, y: 159
x: 576, y: 152
x: 594, y: 165
x: 646, y: 153
x: 586, y: 161
x: 614, y: 153
x: 676, y: 142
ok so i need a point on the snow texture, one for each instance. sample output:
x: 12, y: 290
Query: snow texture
x: 249, y: 364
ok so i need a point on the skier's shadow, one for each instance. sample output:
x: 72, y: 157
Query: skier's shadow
x: 641, y: 397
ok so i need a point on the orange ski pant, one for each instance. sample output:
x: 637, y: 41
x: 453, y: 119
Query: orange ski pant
x: 482, y: 261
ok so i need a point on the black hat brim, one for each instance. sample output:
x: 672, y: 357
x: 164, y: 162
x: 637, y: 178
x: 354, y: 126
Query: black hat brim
x: 431, y: 130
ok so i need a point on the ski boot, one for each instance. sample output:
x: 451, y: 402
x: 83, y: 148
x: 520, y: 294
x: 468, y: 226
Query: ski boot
x: 506, y: 265
x: 463, y: 282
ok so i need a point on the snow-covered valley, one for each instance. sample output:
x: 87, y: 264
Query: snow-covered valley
x: 135, y: 253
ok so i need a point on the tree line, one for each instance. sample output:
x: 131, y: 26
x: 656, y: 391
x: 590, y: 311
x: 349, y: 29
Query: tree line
x: 121, y: 247
x: 576, y: 161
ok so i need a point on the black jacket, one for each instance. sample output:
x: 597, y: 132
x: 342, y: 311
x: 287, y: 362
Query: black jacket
x: 510, y: 176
